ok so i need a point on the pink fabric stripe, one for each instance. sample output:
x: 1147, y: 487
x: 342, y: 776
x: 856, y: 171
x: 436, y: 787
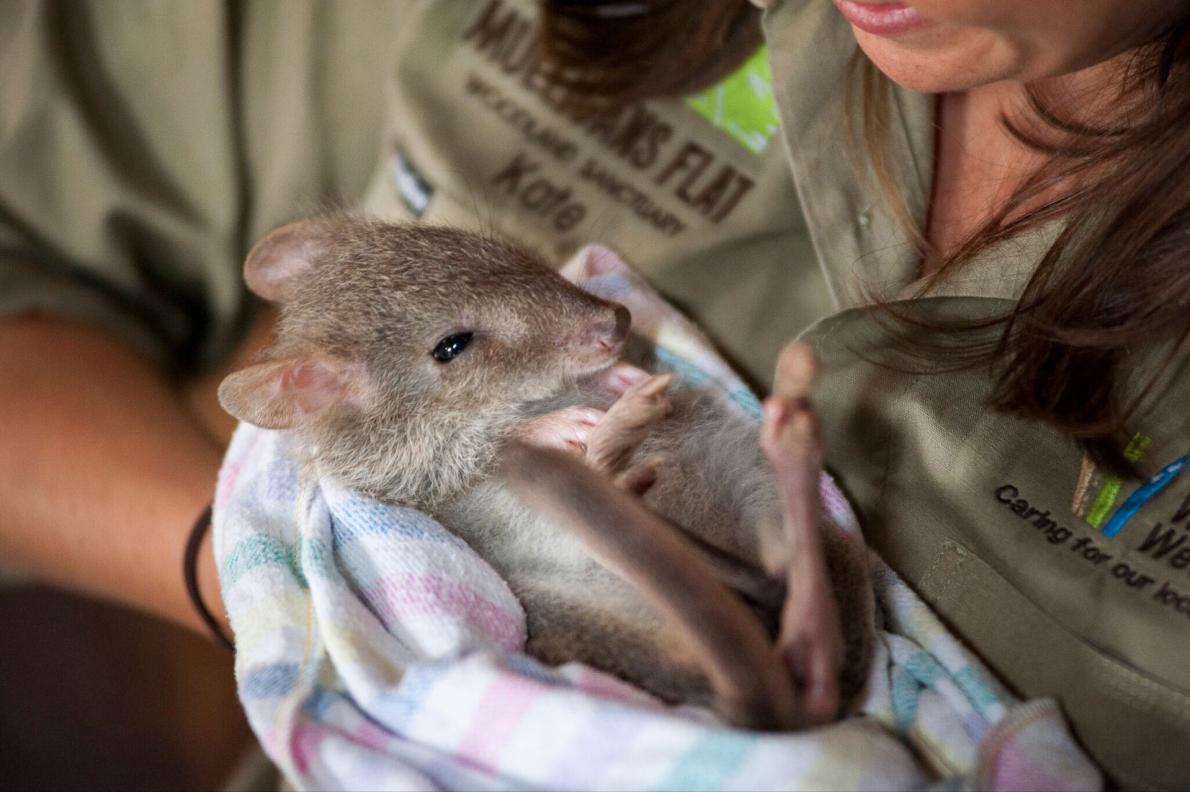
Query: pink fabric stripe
x: 502, y: 707
x: 395, y: 598
x: 304, y: 742
x: 833, y: 501
x: 229, y: 474
x: 1015, y: 769
x: 372, y: 736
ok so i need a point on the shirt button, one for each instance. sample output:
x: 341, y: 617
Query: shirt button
x: 864, y: 218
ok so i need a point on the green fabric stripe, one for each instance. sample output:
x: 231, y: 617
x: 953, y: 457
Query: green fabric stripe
x: 255, y: 551
x: 1137, y: 447
x: 1106, y: 499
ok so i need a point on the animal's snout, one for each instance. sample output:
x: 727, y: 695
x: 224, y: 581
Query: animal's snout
x: 614, y: 331
x: 600, y: 339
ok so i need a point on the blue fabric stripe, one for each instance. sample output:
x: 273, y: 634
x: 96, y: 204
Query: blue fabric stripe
x: 711, y: 762
x: 695, y: 377
x: 687, y: 371
x: 924, y: 668
x: 528, y: 667
x: 320, y: 700
x: 976, y: 688
x: 1143, y: 495
x: 269, y: 681
x: 356, y: 517
x: 904, y: 692
x: 398, y: 706
x: 747, y: 400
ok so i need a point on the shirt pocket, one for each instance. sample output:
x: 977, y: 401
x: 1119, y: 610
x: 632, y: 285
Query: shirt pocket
x: 1130, y: 721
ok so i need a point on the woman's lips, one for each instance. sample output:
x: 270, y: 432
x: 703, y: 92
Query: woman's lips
x: 881, y: 19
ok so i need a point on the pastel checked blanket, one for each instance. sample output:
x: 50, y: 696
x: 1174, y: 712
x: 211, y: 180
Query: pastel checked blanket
x: 375, y: 650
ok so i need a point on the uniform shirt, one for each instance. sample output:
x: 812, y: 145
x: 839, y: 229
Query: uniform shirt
x: 145, y: 146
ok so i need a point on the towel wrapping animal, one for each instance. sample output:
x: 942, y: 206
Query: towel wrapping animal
x: 376, y: 650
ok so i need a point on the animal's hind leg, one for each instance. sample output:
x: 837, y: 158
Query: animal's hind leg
x: 810, y: 637
x: 602, y: 627
x: 751, y: 686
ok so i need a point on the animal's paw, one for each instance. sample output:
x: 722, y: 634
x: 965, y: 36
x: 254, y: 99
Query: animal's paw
x: 627, y: 422
x: 616, y: 381
x: 789, y: 435
x: 639, y: 478
x: 568, y: 429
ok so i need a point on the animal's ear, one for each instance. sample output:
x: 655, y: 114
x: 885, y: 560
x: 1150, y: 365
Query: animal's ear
x: 284, y: 253
x: 591, y: 262
x: 282, y: 394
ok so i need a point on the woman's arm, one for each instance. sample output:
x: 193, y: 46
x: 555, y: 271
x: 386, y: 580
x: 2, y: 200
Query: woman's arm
x: 103, y: 470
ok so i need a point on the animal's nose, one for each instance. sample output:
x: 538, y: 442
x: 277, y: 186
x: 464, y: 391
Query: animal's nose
x: 615, y: 330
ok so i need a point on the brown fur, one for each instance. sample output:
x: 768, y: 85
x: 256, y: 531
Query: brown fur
x: 363, y: 303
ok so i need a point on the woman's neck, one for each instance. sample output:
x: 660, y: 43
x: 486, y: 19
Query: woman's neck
x: 979, y: 164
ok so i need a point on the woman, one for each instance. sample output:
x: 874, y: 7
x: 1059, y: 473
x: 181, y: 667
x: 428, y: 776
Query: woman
x: 990, y: 249
x: 1038, y: 193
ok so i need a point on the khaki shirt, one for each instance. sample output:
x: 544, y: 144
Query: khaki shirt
x: 141, y: 153
x: 144, y: 145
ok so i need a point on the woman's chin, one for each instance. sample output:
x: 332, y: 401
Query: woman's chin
x: 938, y: 66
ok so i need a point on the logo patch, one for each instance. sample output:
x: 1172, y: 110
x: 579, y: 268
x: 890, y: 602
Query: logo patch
x: 742, y: 104
x: 1143, y: 494
x: 1096, y: 494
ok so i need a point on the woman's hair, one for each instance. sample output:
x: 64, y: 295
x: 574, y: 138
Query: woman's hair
x: 615, y: 52
x: 1116, y: 278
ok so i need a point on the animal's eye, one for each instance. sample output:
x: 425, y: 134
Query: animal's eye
x: 450, y: 347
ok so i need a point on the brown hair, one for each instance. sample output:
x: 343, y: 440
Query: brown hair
x: 661, y: 47
x: 1116, y: 278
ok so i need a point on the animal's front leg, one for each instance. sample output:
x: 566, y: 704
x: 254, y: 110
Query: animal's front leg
x: 810, y: 638
x: 607, y: 440
x: 612, y: 444
x: 568, y: 429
